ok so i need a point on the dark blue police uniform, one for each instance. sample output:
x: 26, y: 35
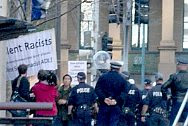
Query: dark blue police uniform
x: 157, y: 107
x: 143, y: 95
x: 132, y: 99
x: 82, y: 97
x: 110, y: 85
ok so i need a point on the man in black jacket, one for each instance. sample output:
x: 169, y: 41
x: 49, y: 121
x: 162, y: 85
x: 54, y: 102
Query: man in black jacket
x: 178, y: 83
x: 24, y: 85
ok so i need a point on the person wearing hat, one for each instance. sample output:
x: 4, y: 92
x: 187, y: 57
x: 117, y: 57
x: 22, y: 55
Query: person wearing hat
x: 132, y: 99
x: 83, y: 99
x: 147, y: 88
x: 143, y: 94
x: 178, y: 83
x: 109, y: 89
x: 156, y: 104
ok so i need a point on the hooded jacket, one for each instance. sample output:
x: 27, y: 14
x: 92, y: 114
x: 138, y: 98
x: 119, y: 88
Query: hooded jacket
x: 45, y: 93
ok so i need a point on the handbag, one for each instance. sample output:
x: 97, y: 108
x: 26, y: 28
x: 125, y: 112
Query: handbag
x: 17, y: 98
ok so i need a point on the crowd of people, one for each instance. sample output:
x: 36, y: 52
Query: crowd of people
x: 115, y: 100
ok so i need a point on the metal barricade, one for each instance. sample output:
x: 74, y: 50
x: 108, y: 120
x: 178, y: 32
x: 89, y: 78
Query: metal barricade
x: 26, y: 106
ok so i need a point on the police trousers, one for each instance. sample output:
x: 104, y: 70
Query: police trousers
x: 157, y: 120
x: 83, y: 116
x: 108, y: 115
x: 127, y: 119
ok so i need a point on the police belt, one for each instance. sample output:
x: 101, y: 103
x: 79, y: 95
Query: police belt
x: 160, y: 111
x: 83, y: 107
x: 127, y: 110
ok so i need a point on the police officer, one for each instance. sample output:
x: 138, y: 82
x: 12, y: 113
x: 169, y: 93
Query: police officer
x: 156, y: 105
x: 147, y: 88
x: 131, y: 101
x: 178, y: 83
x: 143, y: 93
x: 82, y: 98
x: 109, y: 88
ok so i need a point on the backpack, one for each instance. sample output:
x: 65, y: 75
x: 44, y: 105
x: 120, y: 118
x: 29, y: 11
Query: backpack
x: 17, y: 98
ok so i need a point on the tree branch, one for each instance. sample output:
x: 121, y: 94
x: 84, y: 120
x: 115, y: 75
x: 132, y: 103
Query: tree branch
x: 14, y: 11
x: 25, y: 18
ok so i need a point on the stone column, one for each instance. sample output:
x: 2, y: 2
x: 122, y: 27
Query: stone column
x: 70, y: 34
x: 3, y: 12
x: 114, y: 32
x: 167, y: 46
x: 64, y: 41
x: 64, y: 59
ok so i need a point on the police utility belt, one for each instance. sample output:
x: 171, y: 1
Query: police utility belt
x: 160, y: 111
x: 83, y: 107
x: 127, y: 110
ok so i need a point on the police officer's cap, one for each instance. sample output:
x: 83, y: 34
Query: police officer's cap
x: 182, y: 61
x: 115, y: 65
x: 147, y: 81
x: 81, y: 75
x: 158, y: 76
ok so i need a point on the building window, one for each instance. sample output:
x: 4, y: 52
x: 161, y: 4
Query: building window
x: 185, y: 37
x: 136, y: 39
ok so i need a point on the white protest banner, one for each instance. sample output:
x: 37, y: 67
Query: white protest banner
x: 37, y: 50
x: 74, y: 67
x: 3, y: 7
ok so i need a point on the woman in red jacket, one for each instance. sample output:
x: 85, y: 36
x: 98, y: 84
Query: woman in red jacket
x: 45, y: 91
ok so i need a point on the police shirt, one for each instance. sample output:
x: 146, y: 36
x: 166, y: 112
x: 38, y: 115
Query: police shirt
x: 155, y: 98
x: 144, y: 93
x: 133, y: 97
x: 82, y: 94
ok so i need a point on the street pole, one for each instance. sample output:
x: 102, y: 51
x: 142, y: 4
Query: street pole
x: 138, y: 23
x: 143, y: 45
x: 126, y: 24
x: 143, y: 57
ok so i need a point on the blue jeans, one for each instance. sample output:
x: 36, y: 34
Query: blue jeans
x: 108, y: 115
x: 24, y: 115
